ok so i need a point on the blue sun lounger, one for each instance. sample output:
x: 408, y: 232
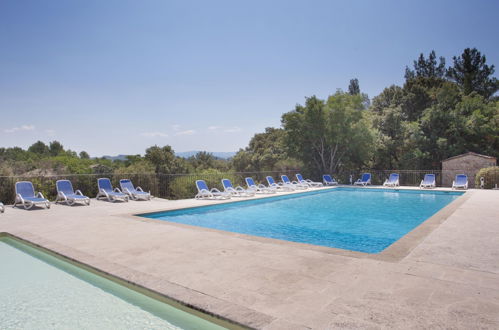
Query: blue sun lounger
x: 308, y: 182
x: 461, y: 181
x: 428, y: 181
x: 364, y: 180
x: 278, y: 186
x: 2, y: 208
x: 106, y: 190
x: 133, y: 192
x: 392, y: 181
x: 25, y: 195
x: 260, y: 188
x: 294, y: 184
x: 66, y: 193
x: 206, y: 193
x: 329, y: 180
x: 236, y: 191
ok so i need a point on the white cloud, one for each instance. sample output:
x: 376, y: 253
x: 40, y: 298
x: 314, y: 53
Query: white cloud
x: 176, y: 127
x: 50, y: 132
x: 21, y: 128
x: 154, y: 134
x: 186, y: 132
x: 213, y: 128
x: 234, y: 129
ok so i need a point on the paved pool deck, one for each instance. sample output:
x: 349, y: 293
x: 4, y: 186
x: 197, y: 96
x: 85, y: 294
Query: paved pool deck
x: 443, y: 275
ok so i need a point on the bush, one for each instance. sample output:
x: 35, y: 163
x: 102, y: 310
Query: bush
x: 491, y: 176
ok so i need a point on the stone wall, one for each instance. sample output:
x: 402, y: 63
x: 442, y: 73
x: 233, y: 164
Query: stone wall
x: 466, y: 164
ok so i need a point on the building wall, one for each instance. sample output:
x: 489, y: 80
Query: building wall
x: 468, y: 164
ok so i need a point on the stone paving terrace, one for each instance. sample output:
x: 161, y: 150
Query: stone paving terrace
x: 444, y: 274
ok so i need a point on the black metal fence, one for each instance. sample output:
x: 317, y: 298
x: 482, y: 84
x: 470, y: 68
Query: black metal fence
x: 169, y: 186
x: 179, y: 186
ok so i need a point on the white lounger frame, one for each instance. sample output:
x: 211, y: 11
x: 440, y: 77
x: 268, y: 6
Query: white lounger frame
x: 460, y: 186
x: 392, y: 184
x: 111, y: 198
x: 428, y: 185
x: 135, y: 196
x: 29, y: 204
x: 61, y: 197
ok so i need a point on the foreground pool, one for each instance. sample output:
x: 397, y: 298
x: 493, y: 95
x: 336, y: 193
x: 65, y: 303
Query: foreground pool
x: 364, y: 220
x: 40, y: 291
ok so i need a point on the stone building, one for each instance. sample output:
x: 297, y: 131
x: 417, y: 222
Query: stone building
x: 469, y: 163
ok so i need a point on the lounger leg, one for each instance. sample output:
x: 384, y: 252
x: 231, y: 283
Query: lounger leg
x: 28, y: 205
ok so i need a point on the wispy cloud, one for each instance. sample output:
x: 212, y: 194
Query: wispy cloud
x: 234, y: 129
x: 186, y: 132
x: 50, y: 132
x: 176, y: 127
x: 154, y: 134
x: 213, y: 128
x: 20, y: 128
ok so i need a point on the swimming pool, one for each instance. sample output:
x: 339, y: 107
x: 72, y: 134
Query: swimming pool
x: 357, y: 219
x: 40, y: 291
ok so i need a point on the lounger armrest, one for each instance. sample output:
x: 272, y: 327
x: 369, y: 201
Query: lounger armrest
x: 214, y: 190
x: 139, y: 189
x: 117, y: 190
x: 40, y: 195
x: 78, y: 192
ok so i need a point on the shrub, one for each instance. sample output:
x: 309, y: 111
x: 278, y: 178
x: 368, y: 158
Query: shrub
x: 491, y: 176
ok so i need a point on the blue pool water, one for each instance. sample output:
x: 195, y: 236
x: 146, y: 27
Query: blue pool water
x: 365, y: 220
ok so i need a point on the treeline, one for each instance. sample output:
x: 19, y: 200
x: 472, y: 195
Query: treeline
x: 437, y: 113
x: 42, y: 159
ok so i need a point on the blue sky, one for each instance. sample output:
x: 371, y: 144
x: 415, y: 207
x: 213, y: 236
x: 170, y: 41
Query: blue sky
x: 114, y: 77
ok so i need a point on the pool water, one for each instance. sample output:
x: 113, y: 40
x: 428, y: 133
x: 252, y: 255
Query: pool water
x: 40, y: 291
x: 365, y: 220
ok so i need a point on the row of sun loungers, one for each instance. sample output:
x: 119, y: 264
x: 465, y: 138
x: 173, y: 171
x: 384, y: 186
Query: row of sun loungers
x: 286, y: 184
x: 460, y: 182
x: 204, y: 192
x: 27, y: 197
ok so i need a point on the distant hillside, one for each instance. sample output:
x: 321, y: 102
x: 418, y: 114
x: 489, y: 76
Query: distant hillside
x: 218, y: 154
x: 185, y: 154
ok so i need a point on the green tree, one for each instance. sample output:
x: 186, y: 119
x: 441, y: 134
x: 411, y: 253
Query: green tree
x: 39, y: 148
x: 472, y: 74
x: 84, y: 155
x: 353, y: 87
x: 55, y: 148
x: 265, y: 152
x: 202, y: 161
x: 428, y: 68
x: 163, y: 158
x: 326, y: 136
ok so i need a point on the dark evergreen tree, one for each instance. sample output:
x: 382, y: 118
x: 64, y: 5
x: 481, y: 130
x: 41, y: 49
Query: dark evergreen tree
x: 354, y: 88
x: 427, y: 67
x: 472, y: 74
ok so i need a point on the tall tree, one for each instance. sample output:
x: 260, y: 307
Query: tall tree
x: 264, y: 152
x: 39, y: 148
x: 427, y: 67
x: 84, y: 155
x: 329, y: 135
x: 55, y: 148
x: 353, y: 87
x: 472, y: 74
x: 163, y: 158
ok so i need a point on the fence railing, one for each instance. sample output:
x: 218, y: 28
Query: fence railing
x: 169, y: 186
x: 180, y: 186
